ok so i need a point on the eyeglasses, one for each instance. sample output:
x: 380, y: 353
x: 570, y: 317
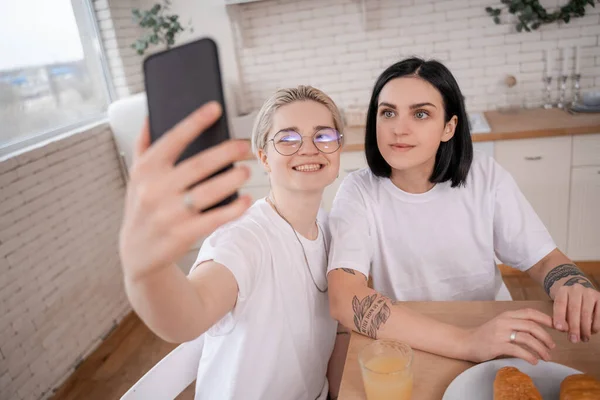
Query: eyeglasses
x: 289, y: 142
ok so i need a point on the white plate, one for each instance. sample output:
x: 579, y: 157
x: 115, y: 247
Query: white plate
x: 477, y: 383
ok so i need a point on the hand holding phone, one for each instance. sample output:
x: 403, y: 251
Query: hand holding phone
x: 159, y: 225
x: 179, y: 81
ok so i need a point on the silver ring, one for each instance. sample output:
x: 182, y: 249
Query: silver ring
x: 188, y: 201
x: 513, y: 336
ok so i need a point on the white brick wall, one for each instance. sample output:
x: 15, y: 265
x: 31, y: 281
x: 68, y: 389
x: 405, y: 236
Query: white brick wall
x: 60, y: 279
x: 291, y: 42
x: 118, y: 32
x: 60, y: 210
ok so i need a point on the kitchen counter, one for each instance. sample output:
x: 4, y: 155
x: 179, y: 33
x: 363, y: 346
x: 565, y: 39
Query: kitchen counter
x: 433, y: 374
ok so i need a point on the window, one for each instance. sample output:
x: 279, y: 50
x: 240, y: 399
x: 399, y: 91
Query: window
x: 52, y: 70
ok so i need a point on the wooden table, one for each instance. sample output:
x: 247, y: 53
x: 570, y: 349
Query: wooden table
x: 433, y: 374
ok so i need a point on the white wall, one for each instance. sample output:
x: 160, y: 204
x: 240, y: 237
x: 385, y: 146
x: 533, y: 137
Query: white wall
x: 209, y: 18
x: 291, y: 42
x: 61, y: 286
x: 118, y: 32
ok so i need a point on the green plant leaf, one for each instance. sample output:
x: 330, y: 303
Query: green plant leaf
x: 497, y: 20
x: 160, y: 27
x: 531, y: 14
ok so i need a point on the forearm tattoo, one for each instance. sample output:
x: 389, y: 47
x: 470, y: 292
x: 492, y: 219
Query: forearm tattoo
x: 579, y: 280
x: 370, y: 314
x: 564, y: 271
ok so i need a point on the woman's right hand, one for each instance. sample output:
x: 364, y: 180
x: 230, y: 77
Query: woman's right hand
x: 493, y: 338
x: 158, y: 228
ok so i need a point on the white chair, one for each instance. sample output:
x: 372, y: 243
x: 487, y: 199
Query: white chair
x: 126, y: 118
x: 171, y: 375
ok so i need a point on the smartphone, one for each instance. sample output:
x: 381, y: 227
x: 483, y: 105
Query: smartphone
x: 178, y: 81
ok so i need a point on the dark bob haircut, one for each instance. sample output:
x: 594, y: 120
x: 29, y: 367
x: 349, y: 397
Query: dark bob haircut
x: 454, y: 157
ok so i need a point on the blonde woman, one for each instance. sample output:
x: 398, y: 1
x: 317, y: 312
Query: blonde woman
x: 258, y: 288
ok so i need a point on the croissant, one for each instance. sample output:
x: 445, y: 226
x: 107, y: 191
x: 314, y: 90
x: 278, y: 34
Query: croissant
x: 512, y: 384
x: 580, y: 387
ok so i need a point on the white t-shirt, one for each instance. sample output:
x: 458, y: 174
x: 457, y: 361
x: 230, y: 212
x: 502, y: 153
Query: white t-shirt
x: 277, y: 341
x: 439, y: 245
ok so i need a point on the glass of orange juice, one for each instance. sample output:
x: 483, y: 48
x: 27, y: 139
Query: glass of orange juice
x: 386, y: 367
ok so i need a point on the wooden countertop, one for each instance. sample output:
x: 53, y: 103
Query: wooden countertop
x: 534, y: 123
x: 433, y: 374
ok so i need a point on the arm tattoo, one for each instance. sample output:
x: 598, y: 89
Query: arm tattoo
x: 370, y: 313
x: 560, y: 272
x: 578, y: 280
x: 351, y: 271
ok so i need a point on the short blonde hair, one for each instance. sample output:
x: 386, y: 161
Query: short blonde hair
x: 264, y: 119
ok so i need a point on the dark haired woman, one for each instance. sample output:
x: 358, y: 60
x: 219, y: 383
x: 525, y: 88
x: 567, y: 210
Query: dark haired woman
x: 426, y: 220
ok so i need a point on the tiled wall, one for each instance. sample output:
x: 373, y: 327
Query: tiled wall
x: 60, y: 279
x: 291, y: 42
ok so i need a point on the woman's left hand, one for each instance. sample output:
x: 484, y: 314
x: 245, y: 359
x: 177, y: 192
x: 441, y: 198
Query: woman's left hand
x: 577, y: 309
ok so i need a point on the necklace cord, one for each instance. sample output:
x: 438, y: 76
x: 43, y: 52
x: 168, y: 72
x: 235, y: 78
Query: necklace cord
x: 272, y: 202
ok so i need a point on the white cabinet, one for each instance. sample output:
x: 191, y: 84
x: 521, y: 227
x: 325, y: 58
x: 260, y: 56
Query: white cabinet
x: 257, y: 185
x: 584, y: 210
x: 542, y: 168
x: 584, y: 216
x: 258, y: 174
x: 484, y: 147
x: 349, y: 162
x: 586, y: 150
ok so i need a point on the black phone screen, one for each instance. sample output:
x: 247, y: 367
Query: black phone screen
x: 180, y: 80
